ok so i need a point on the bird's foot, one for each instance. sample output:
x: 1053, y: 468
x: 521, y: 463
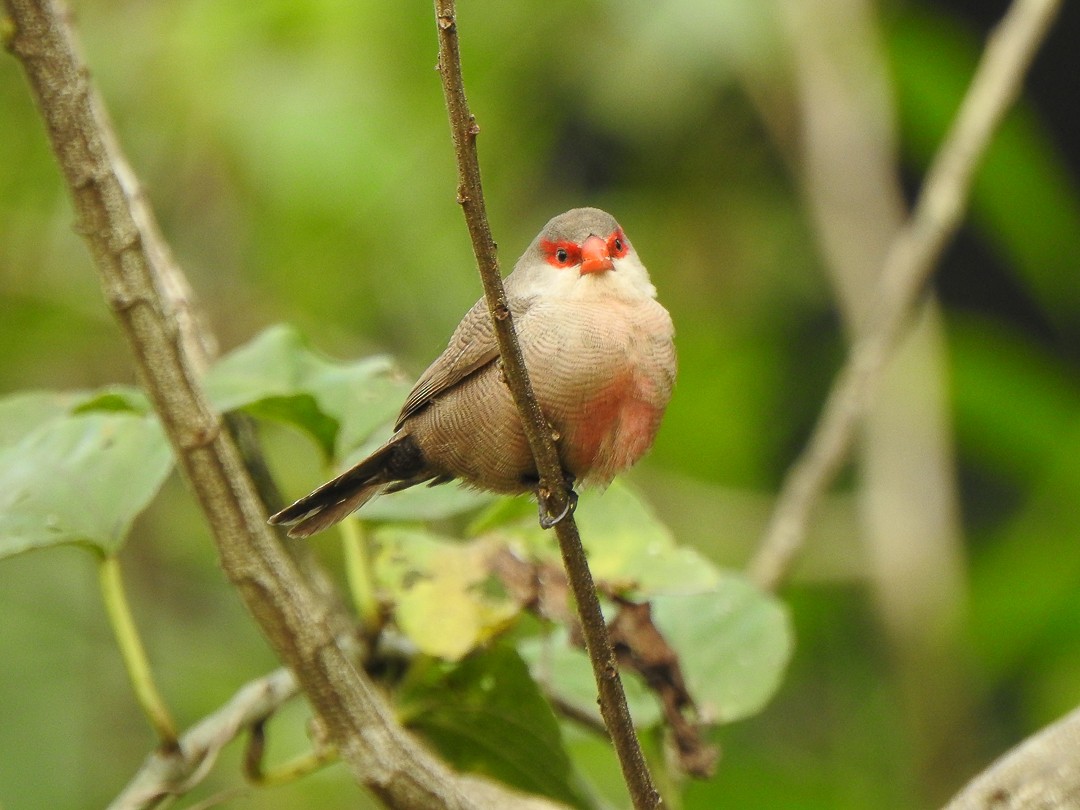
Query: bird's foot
x: 547, y: 520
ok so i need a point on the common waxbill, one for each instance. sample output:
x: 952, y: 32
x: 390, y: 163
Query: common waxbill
x: 599, y: 352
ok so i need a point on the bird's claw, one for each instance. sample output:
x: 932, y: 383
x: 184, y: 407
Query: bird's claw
x: 546, y: 519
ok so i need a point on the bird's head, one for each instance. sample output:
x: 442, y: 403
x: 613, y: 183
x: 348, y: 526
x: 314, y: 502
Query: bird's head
x: 583, y: 253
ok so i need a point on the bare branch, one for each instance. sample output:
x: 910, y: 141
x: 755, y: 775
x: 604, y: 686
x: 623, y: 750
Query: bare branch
x: 907, y: 267
x: 176, y: 771
x: 1041, y: 772
x: 553, y: 491
x: 147, y: 293
x: 912, y: 560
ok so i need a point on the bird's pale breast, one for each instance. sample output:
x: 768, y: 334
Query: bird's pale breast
x: 615, y: 367
x: 602, y: 372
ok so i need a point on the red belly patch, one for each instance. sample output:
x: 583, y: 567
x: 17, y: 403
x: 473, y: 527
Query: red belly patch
x: 615, y: 428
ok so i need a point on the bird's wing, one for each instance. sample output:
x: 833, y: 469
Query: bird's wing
x: 472, y: 346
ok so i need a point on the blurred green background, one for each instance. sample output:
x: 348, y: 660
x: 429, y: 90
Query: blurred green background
x: 299, y: 161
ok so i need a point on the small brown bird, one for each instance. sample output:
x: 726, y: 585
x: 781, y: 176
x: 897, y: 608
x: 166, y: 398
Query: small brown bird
x: 599, y: 351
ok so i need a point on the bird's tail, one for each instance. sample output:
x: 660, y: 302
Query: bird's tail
x: 395, y: 465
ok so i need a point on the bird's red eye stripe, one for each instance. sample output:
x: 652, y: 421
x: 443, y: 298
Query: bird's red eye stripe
x: 617, y: 244
x: 561, y: 254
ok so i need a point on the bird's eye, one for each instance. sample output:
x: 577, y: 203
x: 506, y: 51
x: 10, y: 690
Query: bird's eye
x: 560, y: 254
x: 617, y: 244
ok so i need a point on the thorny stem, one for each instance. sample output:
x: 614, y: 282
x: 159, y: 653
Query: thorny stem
x: 553, y: 491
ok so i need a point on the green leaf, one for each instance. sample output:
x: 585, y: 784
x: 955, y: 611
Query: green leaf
x: 440, y: 591
x: 486, y: 715
x: 426, y: 503
x: 302, y: 411
x: 21, y: 413
x: 733, y: 643
x: 733, y: 640
x: 361, y: 396
x: 275, y: 363
x: 627, y: 545
x: 278, y: 376
x: 626, y: 542
x: 82, y: 480
x: 564, y: 671
x: 115, y: 398
x: 502, y: 512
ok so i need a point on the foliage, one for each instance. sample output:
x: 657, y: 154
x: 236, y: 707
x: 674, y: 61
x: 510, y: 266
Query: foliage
x: 89, y: 463
x: 300, y: 166
x: 75, y: 476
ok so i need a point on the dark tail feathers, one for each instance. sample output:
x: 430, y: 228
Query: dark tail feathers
x: 396, y: 465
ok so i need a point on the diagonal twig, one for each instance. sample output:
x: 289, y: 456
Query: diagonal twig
x: 908, y: 264
x: 553, y: 488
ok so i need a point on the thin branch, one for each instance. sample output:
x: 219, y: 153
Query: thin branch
x: 908, y: 265
x: 176, y: 771
x: 146, y: 291
x: 553, y: 491
x: 321, y: 755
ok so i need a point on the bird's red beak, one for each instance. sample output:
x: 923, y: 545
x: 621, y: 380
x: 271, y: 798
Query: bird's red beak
x: 594, y: 256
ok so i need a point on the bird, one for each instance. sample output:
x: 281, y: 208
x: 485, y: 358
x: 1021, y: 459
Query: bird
x: 600, y: 353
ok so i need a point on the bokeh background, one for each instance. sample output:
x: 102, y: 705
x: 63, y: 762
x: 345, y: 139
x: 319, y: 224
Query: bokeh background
x: 759, y: 155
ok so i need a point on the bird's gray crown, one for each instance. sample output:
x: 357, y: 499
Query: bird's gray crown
x: 577, y: 224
